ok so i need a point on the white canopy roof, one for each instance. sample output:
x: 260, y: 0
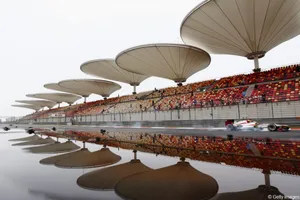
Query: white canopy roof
x: 57, y: 87
x: 247, y: 28
x: 42, y: 103
x: 32, y: 107
x: 95, y: 86
x: 171, y: 61
x: 56, y: 97
x: 107, y: 68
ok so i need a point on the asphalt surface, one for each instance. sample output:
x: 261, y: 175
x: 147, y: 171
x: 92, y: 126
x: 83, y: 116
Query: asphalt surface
x: 218, y: 132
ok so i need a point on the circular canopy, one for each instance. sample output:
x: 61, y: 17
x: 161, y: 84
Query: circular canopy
x: 100, y: 87
x: 57, y: 87
x: 171, y: 61
x: 56, y: 97
x: 41, y: 103
x: 32, y: 107
x: 247, y: 28
x: 107, y: 68
x: 180, y: 181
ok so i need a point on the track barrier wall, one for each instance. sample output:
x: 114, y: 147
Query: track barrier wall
x: 211, y: 116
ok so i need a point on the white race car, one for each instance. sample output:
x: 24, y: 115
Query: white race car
x: 251, y: 125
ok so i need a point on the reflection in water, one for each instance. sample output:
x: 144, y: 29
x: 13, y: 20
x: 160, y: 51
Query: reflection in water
x: 260, y: 193
x: 107, y: 178
x: 102, y: 157
x: 57, y: 147
x: 34, y: 137
x: 230, y: 179
x: 179, y: 181
x: 57, y: 196
x: 21, y: 171
x: 38, y: 141
x: 74, y: 155
x: 274, y: 155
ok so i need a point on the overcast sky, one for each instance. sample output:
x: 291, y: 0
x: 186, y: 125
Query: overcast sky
x: 45, y: 41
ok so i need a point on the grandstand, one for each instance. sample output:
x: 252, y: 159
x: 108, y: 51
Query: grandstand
x: 275, y: 85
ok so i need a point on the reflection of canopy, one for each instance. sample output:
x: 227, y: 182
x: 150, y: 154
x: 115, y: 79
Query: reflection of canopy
x: 107, y: 178
x: 180, y: 181
x: 36, y: 142
x: 100, y: 87
x: 247, y: 28
x: 54, y: 148
x: 99, y: 158
x: 42, y: 103
x: 171, y: 61
x: 58, y: 196
x: 56, y: 97
x: 32, y: 107
x: 34, y: 137
x: 260, y: 193
x: 110, y: 70
x: 57, y: 87
x: 74, y: 155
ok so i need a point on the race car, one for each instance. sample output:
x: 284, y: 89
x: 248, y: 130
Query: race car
x: 248, y: 124
x: 278, y: 127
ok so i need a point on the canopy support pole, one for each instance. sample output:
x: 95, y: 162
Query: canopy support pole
x: 134, y: 154
x: 83, y: 145
x: 267, y: 178
x: 84, y: 99
x: 134, y: 89
x: 256, y: 63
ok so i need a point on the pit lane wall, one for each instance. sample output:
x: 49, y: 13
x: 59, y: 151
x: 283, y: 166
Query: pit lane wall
x: 280, y: 112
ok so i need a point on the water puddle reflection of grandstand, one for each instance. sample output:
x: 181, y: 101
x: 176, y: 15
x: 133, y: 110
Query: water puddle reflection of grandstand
x: 166, y: 163
x: 270, y: 156
x: 208, y: 148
